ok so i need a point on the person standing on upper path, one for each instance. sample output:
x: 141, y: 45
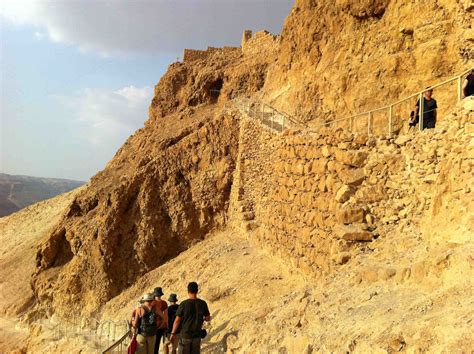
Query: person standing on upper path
x: 190, y: 317
x: 172, y: 308
x: 162, y: 325
x: 429, y: 109
x: 145, y: 321
x: 468, y: 85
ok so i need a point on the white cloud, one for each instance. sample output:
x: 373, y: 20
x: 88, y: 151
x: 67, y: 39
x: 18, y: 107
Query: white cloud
x: 39, y: 36
x: 123, y: 27
x: 105, y: 118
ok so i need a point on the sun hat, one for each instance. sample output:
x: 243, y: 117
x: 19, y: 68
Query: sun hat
x: 158, y: 292
x: 147, y: 297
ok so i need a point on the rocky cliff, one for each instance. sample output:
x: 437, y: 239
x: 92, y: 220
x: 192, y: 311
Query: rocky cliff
x: 167, y: 187
x: 341, y: 57
x: 318, y: 201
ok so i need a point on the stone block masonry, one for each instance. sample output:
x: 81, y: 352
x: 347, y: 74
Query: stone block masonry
x: 262, y: 43
x: 190, y: 55
x: 320, y: 198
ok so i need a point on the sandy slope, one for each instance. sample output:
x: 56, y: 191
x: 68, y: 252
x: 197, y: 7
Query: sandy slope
x: 19, y: 236
x: 260, y: 305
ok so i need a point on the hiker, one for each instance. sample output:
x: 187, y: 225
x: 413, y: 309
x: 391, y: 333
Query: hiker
x: 145, y: 324
x: 468, y: 85
x: 429, y: 109
x: 190, y: 316
x: 172, y: 308
x: 162, y: 325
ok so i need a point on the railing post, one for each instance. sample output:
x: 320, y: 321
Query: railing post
x: 421, y: 108
x: 369, y: 120
x: 390, y: 117
x: 459, y: 88
x: 273, y: 113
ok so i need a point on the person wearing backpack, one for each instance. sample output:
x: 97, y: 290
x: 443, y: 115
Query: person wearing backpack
x: 172, y: 308
x: 189, y: 319
x: 145, y: 320
x: 162, y: 324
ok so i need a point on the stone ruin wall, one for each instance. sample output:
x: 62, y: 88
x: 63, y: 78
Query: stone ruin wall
x: 260, y: 42
x: 316, y: 200
x: 190, y: 55
x: 298, y: 189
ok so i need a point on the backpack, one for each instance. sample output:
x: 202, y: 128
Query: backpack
x: 148, y: 325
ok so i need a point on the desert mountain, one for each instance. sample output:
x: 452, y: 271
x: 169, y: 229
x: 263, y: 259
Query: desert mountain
x: 310, y: 240
x: 17, y: 192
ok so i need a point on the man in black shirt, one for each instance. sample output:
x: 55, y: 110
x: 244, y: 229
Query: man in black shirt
x: 190, y: 316
x: 172, y: 308
x: 429, y: 109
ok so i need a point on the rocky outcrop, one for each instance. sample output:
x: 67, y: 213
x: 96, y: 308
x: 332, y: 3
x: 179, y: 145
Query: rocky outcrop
x: 347, y: 57
x: 166, y: 188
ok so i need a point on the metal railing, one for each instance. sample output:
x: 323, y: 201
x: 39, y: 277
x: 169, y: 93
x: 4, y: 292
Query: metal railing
x: 121, y: 345
x: 271, y: 117
x: 389, y: 109
x: 102, y: 333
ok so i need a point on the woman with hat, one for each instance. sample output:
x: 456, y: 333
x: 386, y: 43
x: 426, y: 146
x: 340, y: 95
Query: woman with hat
x: 145, y: 321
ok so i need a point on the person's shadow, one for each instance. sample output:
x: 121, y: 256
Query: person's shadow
x: 219, y: 346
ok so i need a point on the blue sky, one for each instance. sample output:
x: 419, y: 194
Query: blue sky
x: 77, y: 77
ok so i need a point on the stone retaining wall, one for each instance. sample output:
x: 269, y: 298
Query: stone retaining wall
x: 317, y: 200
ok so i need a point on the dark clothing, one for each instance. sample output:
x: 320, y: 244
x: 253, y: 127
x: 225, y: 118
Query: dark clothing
x: 171, y: 316
x: 192, y: 313
x: 163, y: 306
x: 159, y: 335
x: 469, y: 89
x: 429, y: 112
x: 189, y: 346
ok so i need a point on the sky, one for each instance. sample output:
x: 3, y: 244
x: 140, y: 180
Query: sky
x: 77, y: 76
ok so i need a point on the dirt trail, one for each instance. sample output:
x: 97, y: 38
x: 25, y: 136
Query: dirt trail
x: 261, y: 305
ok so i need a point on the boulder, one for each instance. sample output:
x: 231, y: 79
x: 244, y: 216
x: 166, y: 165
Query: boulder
x: 352, y: 157
x: 352, y: 177
x: 350, y: 214
x: 344, y: 193
x: 353, y: 233
x: 402, y: 139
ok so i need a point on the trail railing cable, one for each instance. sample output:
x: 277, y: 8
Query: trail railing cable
x: 277, y: 121
x: 101, y: 333
x: 273, y: 118
x: 389, y: 109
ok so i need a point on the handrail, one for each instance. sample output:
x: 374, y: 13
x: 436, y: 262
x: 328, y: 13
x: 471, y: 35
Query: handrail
x: 117, y: 343
x: 389, y: 106
x: 351, y: 118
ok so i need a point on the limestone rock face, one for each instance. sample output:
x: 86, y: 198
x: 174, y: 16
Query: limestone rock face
x: 348, y: 56
x: 166, y: 188
x: 154, y: 199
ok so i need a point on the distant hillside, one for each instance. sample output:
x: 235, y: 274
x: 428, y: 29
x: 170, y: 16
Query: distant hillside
x: 17, y: 192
